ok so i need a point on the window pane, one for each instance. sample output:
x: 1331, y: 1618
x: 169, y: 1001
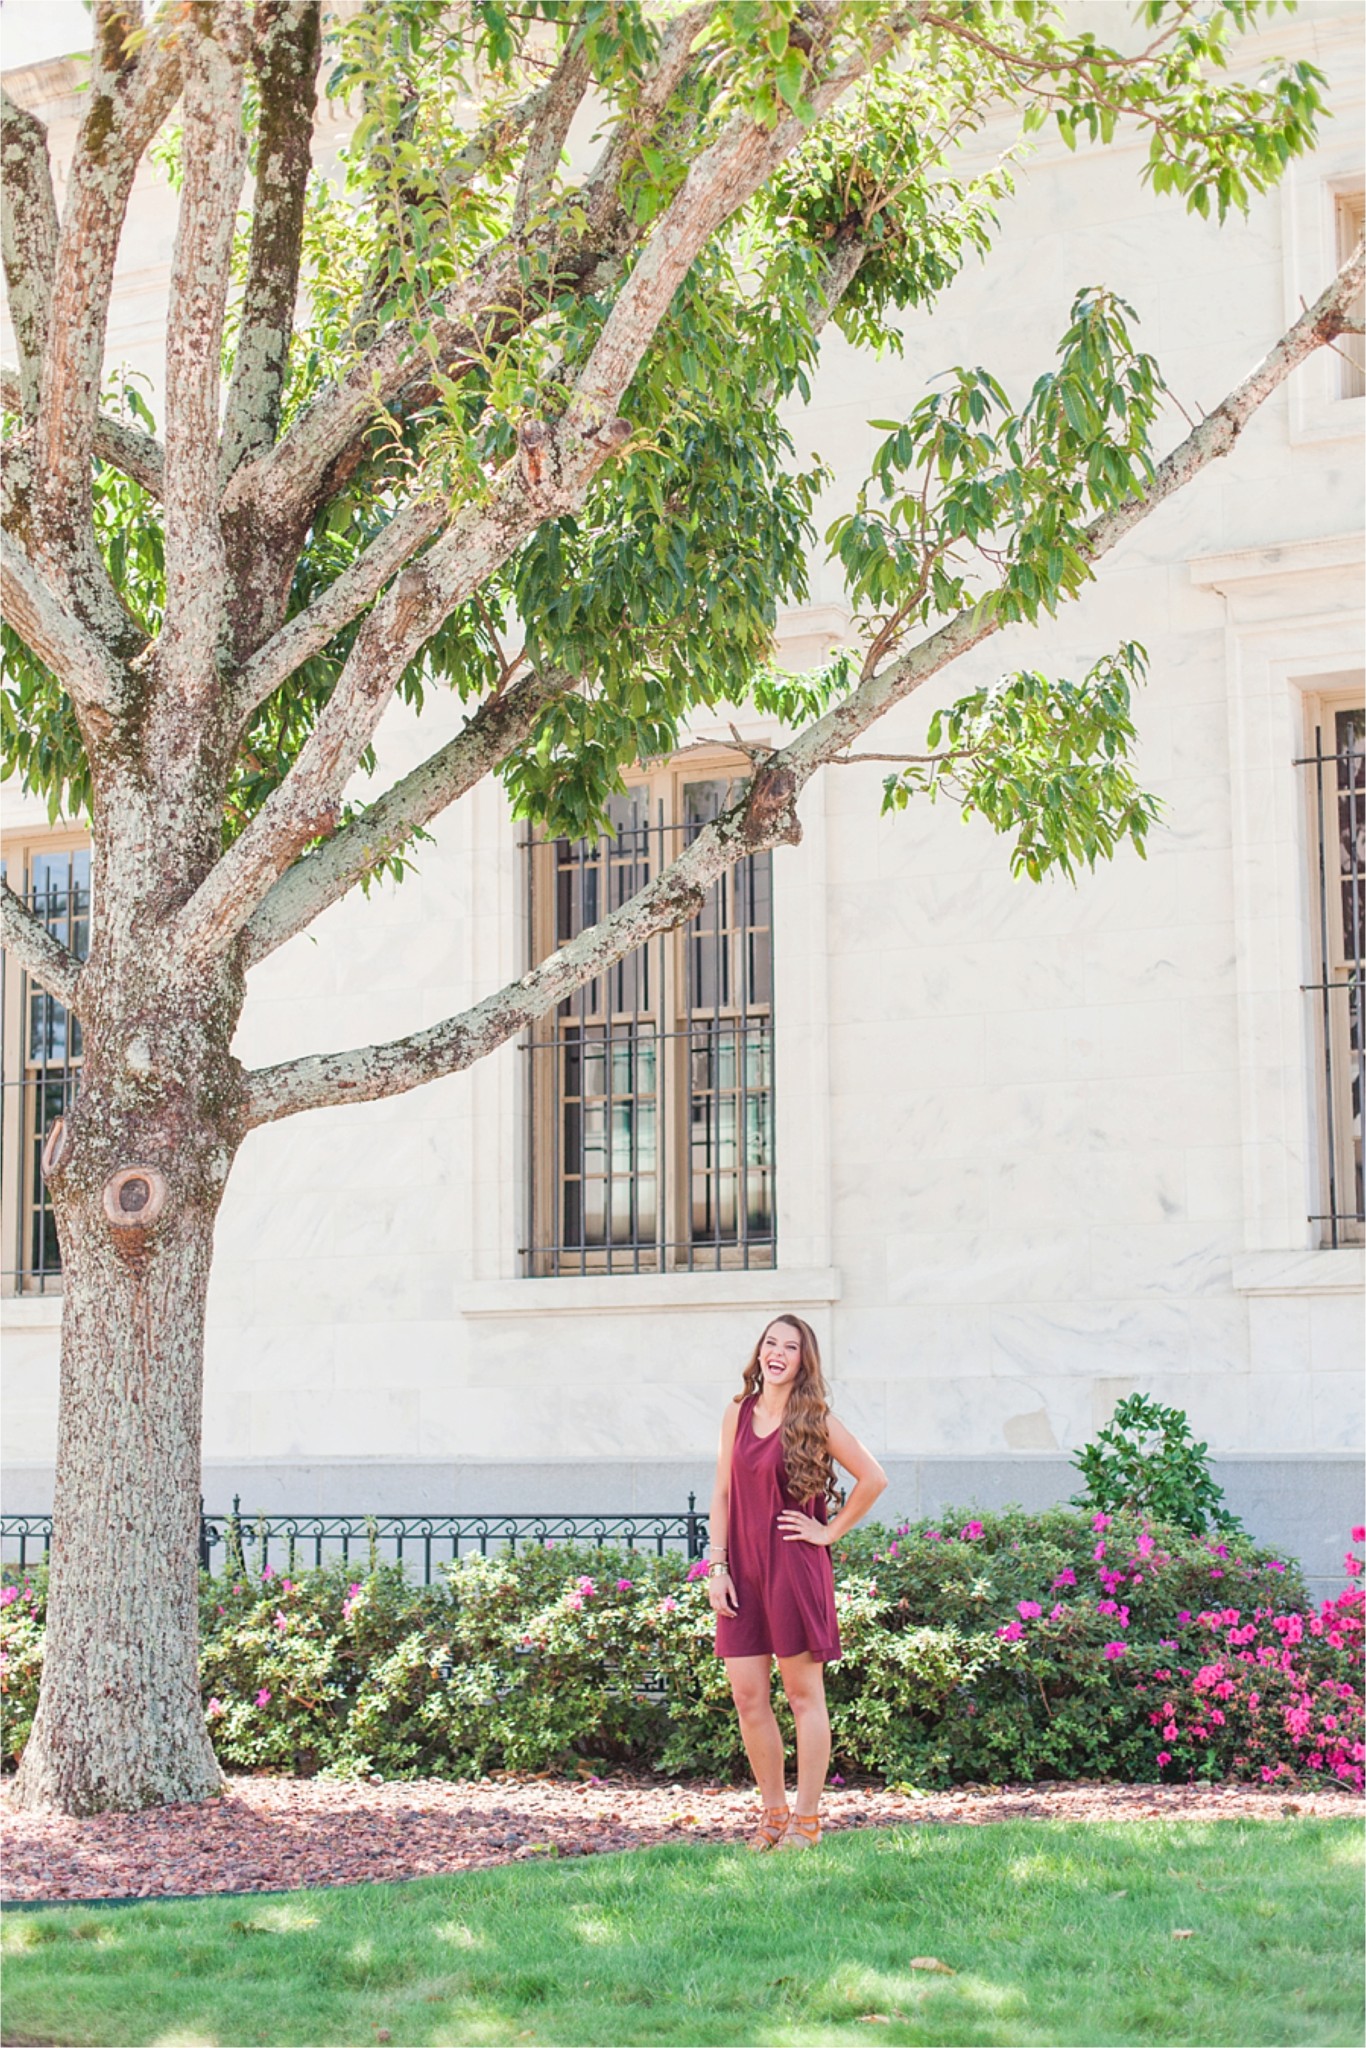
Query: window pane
x: 668, y: 1051
x: 42, y: 1054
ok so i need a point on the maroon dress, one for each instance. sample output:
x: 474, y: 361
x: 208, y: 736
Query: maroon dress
x: 784, y: 1592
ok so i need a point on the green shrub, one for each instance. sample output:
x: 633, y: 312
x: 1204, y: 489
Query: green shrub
x: 1146, y: 1461
x: 985, y: 1648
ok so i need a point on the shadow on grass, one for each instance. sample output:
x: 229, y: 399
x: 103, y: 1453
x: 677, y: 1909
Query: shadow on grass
x: 1132, y: 1933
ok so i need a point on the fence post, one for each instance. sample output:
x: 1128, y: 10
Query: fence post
x: 237, y: 1559
x: 694, y: 1545
x: 204, y: 1560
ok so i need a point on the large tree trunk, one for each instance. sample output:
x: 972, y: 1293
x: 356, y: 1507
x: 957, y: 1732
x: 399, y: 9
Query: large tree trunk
x: 136, y: 1178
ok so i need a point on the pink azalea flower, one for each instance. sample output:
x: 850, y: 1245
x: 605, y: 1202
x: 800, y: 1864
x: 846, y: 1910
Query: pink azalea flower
x: 1029, y: 1610
x: 1011, y: 1633
x: 1114, y: 1650
x: 1169, y: 1732
x: 1164, y: 1756
x: 933, y: 1536
x: 1058, y: 1612
x: 286, y: 1585
x: 1099, y: 1552
x: 214, y: 1709
x: 1145, y: 1545
x: 971, y: 1531
x: 10, y: 1593
x: 1099, y: 1522
x: 667, y: 1604
x: 837, y: 1779
x: 280, y: 1621
x: 587, y: 1588
x: 1359, y: 1535
x: 353, y: 1589
x: 573, y: 1600
x: 625, y: 1585
x: 269, y: 1572
x: 263, y: 1696
x: 1066, y: 1577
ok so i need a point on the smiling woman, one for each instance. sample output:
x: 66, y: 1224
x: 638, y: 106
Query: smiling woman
x: 770, y: 1580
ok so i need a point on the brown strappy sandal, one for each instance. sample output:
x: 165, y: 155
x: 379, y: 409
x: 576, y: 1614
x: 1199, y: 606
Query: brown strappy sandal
x: 803, y: 1831
x: 771, y: 1828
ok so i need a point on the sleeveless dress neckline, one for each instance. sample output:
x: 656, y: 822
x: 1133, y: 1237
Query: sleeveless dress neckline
x: 785, y: 1592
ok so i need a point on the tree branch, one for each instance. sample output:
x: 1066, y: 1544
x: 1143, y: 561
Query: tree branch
x: 123, y: 447
x: 30, y: 230
x: 75, y: 656
x: 37, y: 950
x: 487, y: 307
x: 214, y: 157
x: 501, y: 723
x: 286, y: 53
x: 550, y: 478
x: 765, y: 816
x: 560, y: 99
x: 323, y: 877
x: 343, y: 600
x: 133, y: 86
x: 305, y: 805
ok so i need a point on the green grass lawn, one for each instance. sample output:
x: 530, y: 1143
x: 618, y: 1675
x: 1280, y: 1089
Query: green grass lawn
x: 1055, y: 1933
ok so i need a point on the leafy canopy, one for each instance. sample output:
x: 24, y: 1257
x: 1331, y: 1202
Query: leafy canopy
x: 662, y: 593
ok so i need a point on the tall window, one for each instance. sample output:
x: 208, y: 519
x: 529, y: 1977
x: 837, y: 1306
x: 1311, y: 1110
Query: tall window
x: 651, y: 1088
x: 1351, y: 211
x: 1336, y: 769
x: 42, y: 1057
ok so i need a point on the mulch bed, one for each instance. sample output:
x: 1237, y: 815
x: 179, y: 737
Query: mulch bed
x: 280, y: 1834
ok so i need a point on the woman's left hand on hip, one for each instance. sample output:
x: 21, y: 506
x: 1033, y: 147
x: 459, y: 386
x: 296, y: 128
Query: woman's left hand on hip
x: 800, y: 1528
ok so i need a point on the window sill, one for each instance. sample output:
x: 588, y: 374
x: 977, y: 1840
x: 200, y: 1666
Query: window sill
x: 1301, y: 1272
x: 646, y: 1293
x: 31, y: 1312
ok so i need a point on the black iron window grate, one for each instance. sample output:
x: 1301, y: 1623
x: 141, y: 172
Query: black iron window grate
x: 42, y: 1063
x: 1337, y: 813
x: 651, y: 1089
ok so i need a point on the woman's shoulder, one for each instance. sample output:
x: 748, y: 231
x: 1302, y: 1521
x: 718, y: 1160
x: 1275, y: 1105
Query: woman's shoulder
x: 730, y: 1420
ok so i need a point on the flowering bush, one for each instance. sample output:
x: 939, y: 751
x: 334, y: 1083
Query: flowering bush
x: 1002, y: 1646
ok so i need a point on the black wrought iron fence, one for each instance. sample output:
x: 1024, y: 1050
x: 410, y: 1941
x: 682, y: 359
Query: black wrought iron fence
x: 297, y: 1541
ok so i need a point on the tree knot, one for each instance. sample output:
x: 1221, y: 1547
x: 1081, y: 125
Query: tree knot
x: 771, y: 808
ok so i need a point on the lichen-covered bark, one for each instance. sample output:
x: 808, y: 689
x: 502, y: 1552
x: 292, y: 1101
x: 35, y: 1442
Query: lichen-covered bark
x: 286, y: 47
x: 133, y: 86
x: 119, y: 1721
x: 305, y: 890
x: 29, y: 214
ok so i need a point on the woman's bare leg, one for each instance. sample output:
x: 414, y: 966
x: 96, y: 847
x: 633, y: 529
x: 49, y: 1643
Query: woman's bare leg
x: 751, y: 1687
x: 804, y: 1683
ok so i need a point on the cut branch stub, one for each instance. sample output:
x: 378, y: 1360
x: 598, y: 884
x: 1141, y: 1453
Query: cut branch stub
x: 56, y: 1148
x: 771, y: 808
x: 134, y: 1197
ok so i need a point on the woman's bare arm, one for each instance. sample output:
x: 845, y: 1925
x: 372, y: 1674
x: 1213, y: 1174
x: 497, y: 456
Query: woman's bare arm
x: 869, y: 1478
x: 718, y: 1519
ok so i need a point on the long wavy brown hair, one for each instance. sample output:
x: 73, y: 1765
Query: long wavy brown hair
x: 806, y: 1435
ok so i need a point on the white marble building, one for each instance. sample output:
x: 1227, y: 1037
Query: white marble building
x: 1036, y: 1146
